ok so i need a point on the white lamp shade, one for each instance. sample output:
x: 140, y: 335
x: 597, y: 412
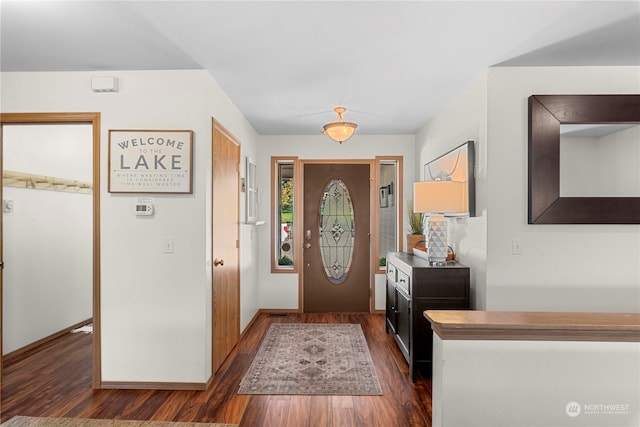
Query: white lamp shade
x: 440, y: 197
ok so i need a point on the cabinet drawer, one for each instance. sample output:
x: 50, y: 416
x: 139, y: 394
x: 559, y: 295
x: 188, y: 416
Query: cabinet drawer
x: 404, y: 282
x: 443, y: 283
x: 442, y: 290
x: 391, y: 273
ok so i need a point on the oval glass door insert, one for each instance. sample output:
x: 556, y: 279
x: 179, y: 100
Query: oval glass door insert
x: 337, y: 231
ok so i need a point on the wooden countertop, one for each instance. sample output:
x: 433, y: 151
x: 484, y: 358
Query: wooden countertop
x: 538, y: 326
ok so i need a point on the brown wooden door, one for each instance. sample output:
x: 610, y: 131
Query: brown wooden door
x: 225, y: 251
x: 336, y: 238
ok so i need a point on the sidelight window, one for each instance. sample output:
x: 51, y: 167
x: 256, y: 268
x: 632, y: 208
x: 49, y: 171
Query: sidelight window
x: 389, y: 218
x: 283, y: 227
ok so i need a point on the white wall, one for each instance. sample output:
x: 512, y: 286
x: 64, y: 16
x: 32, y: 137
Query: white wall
x: 463, y: 119
x: 155, y: 307
x: 280, y: 290
x: 222, y: 109
x: 484, y: 383
x: 47, y: 238
x: 563, y: 267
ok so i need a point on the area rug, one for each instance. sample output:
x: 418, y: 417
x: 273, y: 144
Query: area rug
x: 312, y: 358
x: 20, y: 421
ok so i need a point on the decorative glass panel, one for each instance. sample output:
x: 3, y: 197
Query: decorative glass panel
x: 337, y: 231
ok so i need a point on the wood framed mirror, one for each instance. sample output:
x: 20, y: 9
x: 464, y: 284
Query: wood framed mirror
x: 546, y: 204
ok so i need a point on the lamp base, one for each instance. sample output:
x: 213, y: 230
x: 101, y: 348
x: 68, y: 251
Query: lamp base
x: 437, y: 237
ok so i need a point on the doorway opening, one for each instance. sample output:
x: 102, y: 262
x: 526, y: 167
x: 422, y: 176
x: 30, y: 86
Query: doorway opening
x: 43, y: 134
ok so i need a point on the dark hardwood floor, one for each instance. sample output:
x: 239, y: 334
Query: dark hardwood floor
x: 54, y: 380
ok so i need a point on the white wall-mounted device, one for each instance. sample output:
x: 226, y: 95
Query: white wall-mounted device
x: 7, y: 205
x: 144, y: 207
x: 144, y: 210
x: 104, y: 84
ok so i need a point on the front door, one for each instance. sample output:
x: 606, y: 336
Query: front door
x: 226, y: 267
x: 336, y: 237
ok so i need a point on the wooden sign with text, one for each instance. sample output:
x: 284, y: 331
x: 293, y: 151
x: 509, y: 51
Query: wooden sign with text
x: 150, y: 161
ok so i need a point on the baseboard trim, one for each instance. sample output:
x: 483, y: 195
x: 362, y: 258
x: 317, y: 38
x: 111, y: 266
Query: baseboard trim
x: 278, y: 311
x: 15, y: 354
x: 132, y: 385
x: 251, y: 322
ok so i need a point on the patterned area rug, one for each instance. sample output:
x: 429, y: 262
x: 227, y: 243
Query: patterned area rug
x: 312, y: 358
x: 85, y: 422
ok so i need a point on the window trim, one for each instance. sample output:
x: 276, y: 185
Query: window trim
x: 275, y: 187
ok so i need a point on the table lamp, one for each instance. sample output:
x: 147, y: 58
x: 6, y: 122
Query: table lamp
x: 438, y: 198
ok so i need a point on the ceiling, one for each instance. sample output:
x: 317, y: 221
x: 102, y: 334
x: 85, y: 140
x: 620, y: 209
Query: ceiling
x: 286, y: 64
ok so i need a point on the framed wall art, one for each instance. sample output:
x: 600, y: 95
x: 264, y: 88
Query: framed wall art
x: 456, y: 165
x: 151, y: 161
x: 384, y: 196
x: 251, y: 192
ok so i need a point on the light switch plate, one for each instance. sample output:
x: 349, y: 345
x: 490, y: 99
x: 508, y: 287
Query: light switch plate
x: 516, y: 247
x: 167, y: 245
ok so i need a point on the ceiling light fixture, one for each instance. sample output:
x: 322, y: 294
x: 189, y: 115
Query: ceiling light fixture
x: 339, y: 130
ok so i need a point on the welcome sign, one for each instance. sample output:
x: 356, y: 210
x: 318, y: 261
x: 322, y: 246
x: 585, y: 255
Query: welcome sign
x: 150, y: 161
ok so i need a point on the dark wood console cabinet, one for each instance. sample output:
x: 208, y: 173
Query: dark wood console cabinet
x: 414, y: 286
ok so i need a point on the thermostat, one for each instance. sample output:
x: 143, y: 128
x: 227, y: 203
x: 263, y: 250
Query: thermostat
x: 142, y: 210
x: 144, y: 207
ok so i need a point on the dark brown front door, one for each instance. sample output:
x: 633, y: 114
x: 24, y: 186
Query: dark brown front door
x: 336, y: 238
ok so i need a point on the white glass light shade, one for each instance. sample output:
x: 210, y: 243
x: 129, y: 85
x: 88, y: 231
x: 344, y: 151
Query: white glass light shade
x: 340, y: 131
x: 439, y: 197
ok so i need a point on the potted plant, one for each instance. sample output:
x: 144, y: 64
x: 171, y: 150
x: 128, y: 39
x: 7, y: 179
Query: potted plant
x: 415, y: 238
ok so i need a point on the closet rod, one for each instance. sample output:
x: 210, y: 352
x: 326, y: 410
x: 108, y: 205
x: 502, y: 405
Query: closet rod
x: 41, y: 182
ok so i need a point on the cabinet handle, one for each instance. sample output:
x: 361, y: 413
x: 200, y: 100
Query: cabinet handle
x: 402, y: 281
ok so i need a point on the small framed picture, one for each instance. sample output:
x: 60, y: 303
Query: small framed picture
x: 150, y: 161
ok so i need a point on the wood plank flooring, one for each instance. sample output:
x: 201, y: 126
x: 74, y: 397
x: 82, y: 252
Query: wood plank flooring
x: 54, y: 380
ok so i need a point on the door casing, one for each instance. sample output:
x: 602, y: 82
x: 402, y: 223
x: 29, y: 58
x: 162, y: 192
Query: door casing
x: 69, y: 118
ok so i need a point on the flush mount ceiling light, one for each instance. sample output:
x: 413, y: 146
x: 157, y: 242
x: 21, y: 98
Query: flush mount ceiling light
x: 339, y: 130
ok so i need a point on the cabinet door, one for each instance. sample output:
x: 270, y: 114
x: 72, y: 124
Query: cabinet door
x: 404, y: 322
x: 392, y: 316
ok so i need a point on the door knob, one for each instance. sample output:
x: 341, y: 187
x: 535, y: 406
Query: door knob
x: 307, y: 245
x: 217, y: 262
